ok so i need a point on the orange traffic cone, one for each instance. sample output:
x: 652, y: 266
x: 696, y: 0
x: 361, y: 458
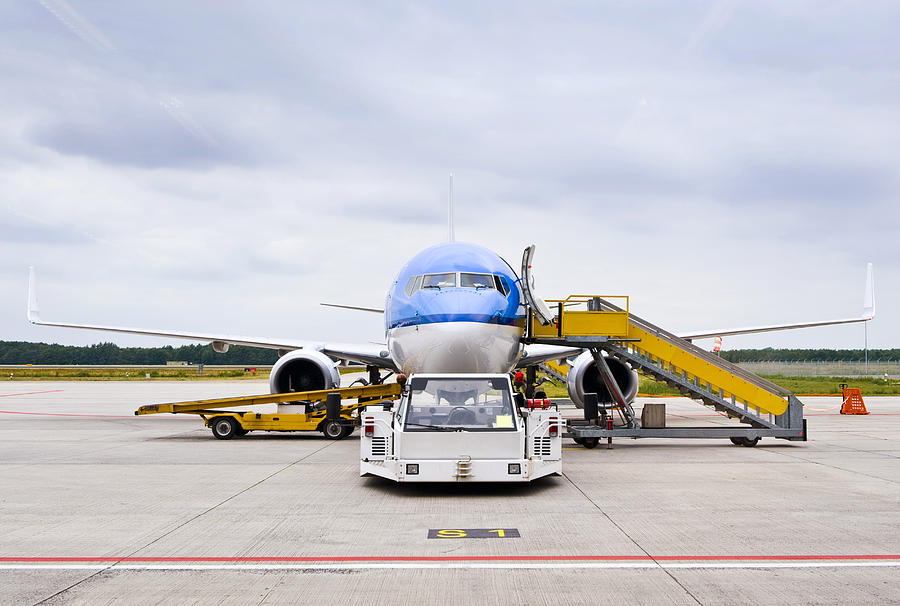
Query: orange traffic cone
x: 853, y: 402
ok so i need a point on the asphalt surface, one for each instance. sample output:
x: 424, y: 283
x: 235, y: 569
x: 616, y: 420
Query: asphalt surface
x: 100, y: 506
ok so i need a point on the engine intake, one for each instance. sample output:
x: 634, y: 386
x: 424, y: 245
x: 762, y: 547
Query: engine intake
x: 583, y: 377
x: 303, y: 370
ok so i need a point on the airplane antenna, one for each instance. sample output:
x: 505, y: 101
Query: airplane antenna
x: 450, y: 231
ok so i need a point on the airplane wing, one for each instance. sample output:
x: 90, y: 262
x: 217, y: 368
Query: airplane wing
x: 867, y: 314
x: 536, y: 354
x: 373, y: 310
x: 755, y: 329
x: 375, y: 354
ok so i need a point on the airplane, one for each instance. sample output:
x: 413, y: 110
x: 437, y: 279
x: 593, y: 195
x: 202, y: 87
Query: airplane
x: 453, y: 308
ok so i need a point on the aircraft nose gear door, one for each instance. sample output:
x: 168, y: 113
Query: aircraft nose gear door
x: 537, y: 305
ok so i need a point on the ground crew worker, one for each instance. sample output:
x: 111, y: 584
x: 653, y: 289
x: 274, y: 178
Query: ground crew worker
x: 519, y: 382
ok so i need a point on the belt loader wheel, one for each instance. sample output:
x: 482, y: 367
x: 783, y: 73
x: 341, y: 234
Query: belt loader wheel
x: 224, y: 428
x: 590, y: 442
x: 334, y: 430
x: 348, y: 429
x: 742, y: 441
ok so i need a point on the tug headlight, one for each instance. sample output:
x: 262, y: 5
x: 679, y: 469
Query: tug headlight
x: 412, y: 469
x: 514, y: 469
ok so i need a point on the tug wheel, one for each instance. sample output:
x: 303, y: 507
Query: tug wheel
x: 224, y: 428
x: 333, y: 430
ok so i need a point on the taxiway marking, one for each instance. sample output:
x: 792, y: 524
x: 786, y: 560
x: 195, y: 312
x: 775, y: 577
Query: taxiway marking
x: 458, y: 565
x: 30, y: 393
x: 501, y: 560
x: 62, y: 414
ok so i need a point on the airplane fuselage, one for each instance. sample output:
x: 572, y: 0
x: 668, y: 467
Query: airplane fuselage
x: 455, y: 307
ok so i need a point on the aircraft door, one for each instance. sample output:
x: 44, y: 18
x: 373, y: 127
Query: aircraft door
x: 537, y: 305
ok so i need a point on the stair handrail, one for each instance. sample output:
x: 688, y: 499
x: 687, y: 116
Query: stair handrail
x: 698, y: 352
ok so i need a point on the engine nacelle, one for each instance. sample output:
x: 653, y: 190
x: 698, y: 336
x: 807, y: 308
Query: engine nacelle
x: 583, y: 377
x: 303, y: 370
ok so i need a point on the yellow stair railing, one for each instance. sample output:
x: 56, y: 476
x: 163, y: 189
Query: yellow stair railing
x: 676, y: 356
x: 573, y: 321
x: 702, y: 370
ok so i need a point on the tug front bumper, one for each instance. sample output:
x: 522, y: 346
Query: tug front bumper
x: 460, y: 470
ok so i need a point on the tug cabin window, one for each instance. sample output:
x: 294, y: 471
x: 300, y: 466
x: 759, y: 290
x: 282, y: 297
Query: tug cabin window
x: 467, y: 404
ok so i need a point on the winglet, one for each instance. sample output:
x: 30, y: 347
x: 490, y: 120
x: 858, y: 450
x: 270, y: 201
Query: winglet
x: 869, y: 297
x: 33, y: 313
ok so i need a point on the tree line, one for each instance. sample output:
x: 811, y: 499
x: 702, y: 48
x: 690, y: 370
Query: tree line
x: 809, y: 355
x: 21, y: 352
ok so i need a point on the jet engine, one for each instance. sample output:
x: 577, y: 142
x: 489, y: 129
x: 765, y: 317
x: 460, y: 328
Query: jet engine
x: 583, y: 377
x: 303, y: 370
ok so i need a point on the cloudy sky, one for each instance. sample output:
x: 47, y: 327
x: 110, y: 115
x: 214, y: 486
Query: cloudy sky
x: 225, y: 167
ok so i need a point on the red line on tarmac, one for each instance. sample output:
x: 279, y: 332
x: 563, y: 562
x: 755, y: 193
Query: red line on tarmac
x: 62, y: 414
x: 47, y: 414
x: 30, y: 393
x: 510, y: 558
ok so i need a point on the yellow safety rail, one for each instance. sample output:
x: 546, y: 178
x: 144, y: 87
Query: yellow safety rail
x: 671, y: 353
x: 679, y: 360
x: 389, y: 391
x: 579, y: 322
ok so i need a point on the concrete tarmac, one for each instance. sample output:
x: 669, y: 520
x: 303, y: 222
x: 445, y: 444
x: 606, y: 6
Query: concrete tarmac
x: 100, y: 506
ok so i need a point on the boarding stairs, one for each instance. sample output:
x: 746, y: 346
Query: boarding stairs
x: 768, y: 409
x: 702, y: 375
x: 598, y: 325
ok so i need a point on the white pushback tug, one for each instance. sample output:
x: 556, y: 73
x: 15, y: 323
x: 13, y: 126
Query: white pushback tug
x: 461, y: 427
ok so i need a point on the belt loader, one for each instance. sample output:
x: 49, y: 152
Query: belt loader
x: 322, y: 410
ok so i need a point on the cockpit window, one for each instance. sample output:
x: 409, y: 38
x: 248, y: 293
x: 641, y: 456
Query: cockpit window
x: 501, y: 285
x: 447, y: 280
x: 452, y: 279
x: 476, y: 280
x: 413, y: 286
